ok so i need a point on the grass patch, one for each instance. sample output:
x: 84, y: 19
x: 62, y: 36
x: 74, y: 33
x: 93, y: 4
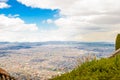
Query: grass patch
x: 103, y: 69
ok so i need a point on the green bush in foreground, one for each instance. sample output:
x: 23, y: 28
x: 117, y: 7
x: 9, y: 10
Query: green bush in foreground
x: 117, y: 46
x: 103, y: 69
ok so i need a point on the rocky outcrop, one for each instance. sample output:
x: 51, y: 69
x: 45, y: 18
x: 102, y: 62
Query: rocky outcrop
x: 4, y: 75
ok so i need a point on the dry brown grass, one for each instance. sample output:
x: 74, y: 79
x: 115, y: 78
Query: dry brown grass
x: 84, y: 59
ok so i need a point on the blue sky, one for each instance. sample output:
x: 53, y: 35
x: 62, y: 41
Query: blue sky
x: 31, y: 15
x: 59, y: 20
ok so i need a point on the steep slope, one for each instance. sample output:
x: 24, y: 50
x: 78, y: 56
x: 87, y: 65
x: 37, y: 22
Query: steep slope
x: 103, y: 69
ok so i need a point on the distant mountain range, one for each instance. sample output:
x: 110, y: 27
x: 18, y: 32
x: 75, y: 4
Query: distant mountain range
x: 99, y: 47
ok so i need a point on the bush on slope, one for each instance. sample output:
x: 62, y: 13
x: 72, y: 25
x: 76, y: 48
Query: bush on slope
x: 103, y: 69
x: 117, y: 46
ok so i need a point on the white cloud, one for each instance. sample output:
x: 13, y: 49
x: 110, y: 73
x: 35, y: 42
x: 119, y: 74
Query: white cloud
x: 15, y: 24
x: 3, y: 4
x: 54, y: 4
x: 48, y: 21
x: 13, y: 16
x: 84, y: 19
x: 15, y: 29
x: 106, y: 19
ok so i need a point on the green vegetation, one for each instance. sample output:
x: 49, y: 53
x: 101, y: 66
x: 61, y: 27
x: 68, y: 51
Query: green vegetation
x: 117, y: 46
x: 103, y: 69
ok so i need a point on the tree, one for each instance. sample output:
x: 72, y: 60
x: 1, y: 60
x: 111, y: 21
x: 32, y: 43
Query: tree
x: 117, y: 45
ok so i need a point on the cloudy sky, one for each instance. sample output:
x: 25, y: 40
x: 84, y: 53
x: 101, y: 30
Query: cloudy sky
x: 59, y: 20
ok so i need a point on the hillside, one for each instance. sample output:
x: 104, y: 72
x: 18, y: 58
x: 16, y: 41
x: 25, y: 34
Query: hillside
x: 103, y: 69
x: 42, y: 60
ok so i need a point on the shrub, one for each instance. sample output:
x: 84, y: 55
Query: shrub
x: 103, y: 69
x: 117, y: 45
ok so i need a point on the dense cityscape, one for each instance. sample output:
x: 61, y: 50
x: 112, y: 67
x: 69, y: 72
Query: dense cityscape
x: 43, y: 60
